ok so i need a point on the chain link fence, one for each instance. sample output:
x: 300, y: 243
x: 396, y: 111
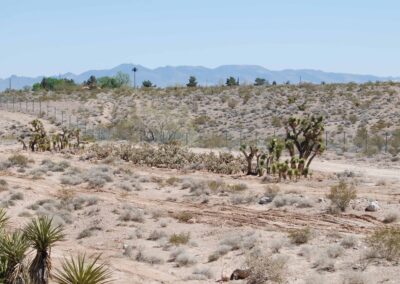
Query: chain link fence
x: 338, y: 141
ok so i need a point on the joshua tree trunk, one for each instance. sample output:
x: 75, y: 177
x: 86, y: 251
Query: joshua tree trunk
x: 39, y: 269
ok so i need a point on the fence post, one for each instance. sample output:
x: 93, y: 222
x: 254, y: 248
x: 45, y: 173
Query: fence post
x: 33, y: 106
x: 13, y: 103
x: 40, y: 107
x: 344, y: 141
x: 326, y: 140
x: 26, y: 106
x: 62, y: 117
x: 386, y: 142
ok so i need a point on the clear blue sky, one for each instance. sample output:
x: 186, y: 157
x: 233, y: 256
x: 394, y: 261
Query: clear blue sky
x: 46, y: 37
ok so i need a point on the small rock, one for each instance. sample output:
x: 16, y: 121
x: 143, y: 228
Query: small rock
x: 265, y: 200
x: 321, y: 200
x: 372, y: 206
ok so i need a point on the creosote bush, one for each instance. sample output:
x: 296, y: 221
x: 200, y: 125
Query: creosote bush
x: 300, y: 236
x: 341, y: 195
x: 385, y: 242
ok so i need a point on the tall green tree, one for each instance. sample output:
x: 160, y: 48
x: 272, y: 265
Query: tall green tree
x: 231, y: 81
x: 192, y: 82
x: 260, y: 82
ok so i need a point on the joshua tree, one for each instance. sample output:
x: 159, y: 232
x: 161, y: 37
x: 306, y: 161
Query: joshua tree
x: 253, y: 151
x: 81, y: 270
x: 39, y: 140
x: 13, y: 249
x: 42, y: 235
x: 304, y: 136
x: 192, y: 82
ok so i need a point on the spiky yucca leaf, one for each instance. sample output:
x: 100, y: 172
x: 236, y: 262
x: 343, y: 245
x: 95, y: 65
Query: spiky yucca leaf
x: 83, y: 271
x: 42, y: 235
x: 3, y: 218
x: 13, y: 248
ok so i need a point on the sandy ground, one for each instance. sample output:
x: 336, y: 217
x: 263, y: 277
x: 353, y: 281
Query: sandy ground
x: 217, y: 219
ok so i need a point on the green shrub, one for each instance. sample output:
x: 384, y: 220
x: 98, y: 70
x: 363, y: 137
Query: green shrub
x: 300, y: 236
x: 18, y: 160
x: 341, y: 195
x: 385, y: 242
x: 179, y: 239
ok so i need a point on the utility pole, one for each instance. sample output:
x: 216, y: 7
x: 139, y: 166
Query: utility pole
x: 134, y: 76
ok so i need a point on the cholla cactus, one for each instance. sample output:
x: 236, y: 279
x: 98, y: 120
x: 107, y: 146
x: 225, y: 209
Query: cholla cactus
x: 275, y: 149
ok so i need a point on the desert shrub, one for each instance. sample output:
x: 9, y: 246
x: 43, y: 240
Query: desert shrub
x: 391, y: 217
x: 179, y: 239
x: 324, y: 263
x: 203, y: 273
x: 334, y: 251
x: 18, y: 160
x: 143, y: 256
x: 385, y: 242
x: 172, y: 181
x: 184, y: 217
x: 51, y: 166
x: 3, y: 185
x: 272, y: 191
x: 300, y: 236
x: 341, y: 195
x: 156, y: 235
x: 348, y: 242
x: 97, y: 177
x: 221, y: 250
x: 132, y: 214
x: 277, y: 244
x: 17, y: 196
x: 237, y: 187
x: 265, y: 268
x: 283, y: 200
x: 354, y: 278
x: 181, y: 257
x: 85, y: 234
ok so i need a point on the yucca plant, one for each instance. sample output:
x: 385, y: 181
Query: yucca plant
x: 83, y: 271
x: 3, y: 219
x: 13, y: 249
x: 42, y: 236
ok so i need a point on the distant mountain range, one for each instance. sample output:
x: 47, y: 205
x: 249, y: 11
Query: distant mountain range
x: 170, y: 76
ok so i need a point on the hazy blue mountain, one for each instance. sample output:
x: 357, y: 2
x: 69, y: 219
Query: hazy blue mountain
x: 170, y: 75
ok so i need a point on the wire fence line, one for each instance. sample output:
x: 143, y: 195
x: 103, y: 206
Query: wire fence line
x: 334, y: 141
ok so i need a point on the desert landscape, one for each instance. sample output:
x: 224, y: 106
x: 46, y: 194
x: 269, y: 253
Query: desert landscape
x: 159, y: 207
x: 199, y: 142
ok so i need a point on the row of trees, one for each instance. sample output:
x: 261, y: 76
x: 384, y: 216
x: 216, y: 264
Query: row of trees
x: 120, y: 80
